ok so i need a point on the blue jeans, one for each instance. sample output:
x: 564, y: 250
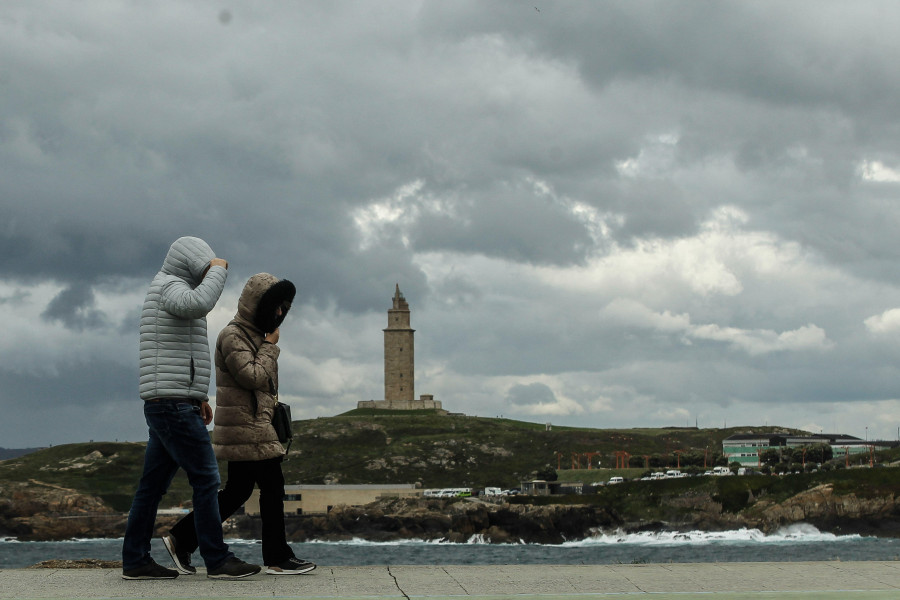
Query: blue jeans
x: 178, y: 438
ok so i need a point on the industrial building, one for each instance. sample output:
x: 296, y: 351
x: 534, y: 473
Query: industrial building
x: 320, y: 499
x: 746, y: 448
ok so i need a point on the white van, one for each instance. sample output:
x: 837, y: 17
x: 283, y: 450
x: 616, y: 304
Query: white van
x: 613, y: 480
x: 722, y: 471
x: 493, y: 491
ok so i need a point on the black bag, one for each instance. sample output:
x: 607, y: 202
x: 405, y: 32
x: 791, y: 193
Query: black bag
x: 281, y: 421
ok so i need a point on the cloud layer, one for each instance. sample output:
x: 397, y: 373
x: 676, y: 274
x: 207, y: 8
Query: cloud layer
x: 605, y: 214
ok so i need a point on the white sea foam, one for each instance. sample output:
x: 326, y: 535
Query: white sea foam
x: 796, y: 533
x: 792, y: 534
x: 362, y: 542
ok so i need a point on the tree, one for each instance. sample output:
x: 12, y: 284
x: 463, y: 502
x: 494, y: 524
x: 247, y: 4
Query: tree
x: 770, y: 457
x: 819, y: 453
x: 548, y: 473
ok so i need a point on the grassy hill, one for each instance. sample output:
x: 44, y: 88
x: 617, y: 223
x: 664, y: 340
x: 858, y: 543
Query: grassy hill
x: 367, y: 446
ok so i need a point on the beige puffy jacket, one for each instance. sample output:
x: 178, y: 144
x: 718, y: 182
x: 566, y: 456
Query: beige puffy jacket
x: 247, y: 373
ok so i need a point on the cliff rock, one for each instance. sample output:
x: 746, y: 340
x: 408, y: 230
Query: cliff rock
x: 36, y: 510
x: 826, y: 510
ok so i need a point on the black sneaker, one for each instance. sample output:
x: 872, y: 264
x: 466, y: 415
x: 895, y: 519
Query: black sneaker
x: 233, y: 568
x: 292, y: 566
x: 149, y: 571
x: 182, y: 560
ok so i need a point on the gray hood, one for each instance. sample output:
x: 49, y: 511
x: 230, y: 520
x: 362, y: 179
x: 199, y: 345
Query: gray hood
x: 188, y: 258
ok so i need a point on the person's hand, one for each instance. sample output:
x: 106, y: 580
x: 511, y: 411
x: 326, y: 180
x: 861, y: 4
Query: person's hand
x: 218, y: 262
x: 273, y: 337
x: 206, y: 412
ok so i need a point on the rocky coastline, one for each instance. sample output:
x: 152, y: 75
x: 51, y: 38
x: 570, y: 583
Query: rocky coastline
x: 39, y: 511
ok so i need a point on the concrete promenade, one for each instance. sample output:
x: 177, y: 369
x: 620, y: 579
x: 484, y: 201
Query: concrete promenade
x: 681, y: 581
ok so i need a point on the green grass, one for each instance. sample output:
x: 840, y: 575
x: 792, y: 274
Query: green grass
x: 113, y: 476
x: 439, y: 451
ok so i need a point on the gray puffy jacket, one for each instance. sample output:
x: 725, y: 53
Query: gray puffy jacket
x: 174, y: 354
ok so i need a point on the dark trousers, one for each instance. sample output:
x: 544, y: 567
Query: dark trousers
x: 178, y: 438
x: 242, y: 476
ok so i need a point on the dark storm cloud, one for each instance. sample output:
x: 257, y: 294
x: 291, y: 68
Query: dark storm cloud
x: 801, y: 52
x: 756, y: 83
x: 75, y: 308
x: 696, y: 166
x: 82, y: 382
x: 506, y: 223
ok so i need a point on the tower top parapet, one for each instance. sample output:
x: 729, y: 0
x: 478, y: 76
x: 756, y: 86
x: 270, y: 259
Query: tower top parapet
x: 399, y: 301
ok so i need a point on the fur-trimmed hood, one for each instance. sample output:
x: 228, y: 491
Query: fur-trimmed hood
x: 247, y: 373
x: 262, y: 295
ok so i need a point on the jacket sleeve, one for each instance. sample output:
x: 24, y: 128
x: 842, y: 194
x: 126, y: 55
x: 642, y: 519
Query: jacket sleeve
x: 177, y: 297
x: 251, y: 369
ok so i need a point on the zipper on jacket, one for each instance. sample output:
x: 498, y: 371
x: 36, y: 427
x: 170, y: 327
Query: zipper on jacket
x: 192, y: 370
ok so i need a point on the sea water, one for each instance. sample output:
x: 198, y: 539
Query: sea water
x: 794, y: 543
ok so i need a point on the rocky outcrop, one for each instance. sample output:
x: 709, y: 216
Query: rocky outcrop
x: 36, y: 510
x: 461, y: 521
x: 828, y: 511
x: 39, y: 511
x: 453, y: 521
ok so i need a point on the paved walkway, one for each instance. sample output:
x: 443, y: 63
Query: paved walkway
x: 682, y: 581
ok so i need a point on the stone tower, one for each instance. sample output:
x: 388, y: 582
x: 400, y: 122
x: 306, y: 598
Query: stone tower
x: 399, y: 354
x: 399, y: 364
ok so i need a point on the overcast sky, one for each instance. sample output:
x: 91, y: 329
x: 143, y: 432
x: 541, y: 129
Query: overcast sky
x: 609, y: 214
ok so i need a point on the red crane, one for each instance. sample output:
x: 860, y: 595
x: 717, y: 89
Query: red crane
x: 622, y: 459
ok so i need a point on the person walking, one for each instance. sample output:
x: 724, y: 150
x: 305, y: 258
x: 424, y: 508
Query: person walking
x: 246, y: 393
x: 174, y: 382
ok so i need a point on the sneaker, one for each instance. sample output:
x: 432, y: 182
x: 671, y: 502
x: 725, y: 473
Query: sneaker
x: 149, y: 571
x: 182, y: 560
x: 233, y: 568
x: 292, y: 566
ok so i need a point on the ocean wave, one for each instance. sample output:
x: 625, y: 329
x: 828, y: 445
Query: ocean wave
x: 12, y: 540
x: 796, y: 533
x: 364, y: 542
x: 799, y: 533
